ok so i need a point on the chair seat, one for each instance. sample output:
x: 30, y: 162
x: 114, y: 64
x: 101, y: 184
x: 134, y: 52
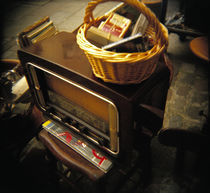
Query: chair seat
x: 69, y: 157
x: 199, y: 46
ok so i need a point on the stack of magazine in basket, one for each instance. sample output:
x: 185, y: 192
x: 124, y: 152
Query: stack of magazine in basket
x: 122, y: 31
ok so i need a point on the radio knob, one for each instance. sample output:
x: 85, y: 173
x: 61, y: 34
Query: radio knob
x: 101, y: 142
x: 49, y: 110
x: 66, y: 119
x: 74, y: 123
x: 83, y: 129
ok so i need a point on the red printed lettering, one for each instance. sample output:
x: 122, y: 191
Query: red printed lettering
x: 98, y: 157
x: 68, y: 136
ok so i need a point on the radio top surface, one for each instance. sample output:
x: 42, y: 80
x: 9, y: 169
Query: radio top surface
x: 62, y: 54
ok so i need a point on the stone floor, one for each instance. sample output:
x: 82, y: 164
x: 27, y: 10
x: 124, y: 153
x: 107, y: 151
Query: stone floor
x: 188, y: 94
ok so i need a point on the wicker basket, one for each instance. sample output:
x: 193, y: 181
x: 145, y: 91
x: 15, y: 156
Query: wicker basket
x: 123, y: 68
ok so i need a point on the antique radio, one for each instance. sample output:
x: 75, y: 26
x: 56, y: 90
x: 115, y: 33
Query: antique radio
x: 66, y: 91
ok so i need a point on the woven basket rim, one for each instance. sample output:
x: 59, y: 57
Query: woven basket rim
x: 111, y: 56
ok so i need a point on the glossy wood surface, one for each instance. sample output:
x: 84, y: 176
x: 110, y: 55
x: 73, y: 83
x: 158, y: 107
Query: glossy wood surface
x: 63, y: 51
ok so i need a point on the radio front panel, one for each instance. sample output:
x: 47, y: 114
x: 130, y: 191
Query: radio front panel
x: 80, y: 109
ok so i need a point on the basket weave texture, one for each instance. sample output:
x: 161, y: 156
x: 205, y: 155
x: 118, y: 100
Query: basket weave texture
x: 123, y: 68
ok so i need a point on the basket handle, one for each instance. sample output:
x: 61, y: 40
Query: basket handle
x: 152, y: 19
